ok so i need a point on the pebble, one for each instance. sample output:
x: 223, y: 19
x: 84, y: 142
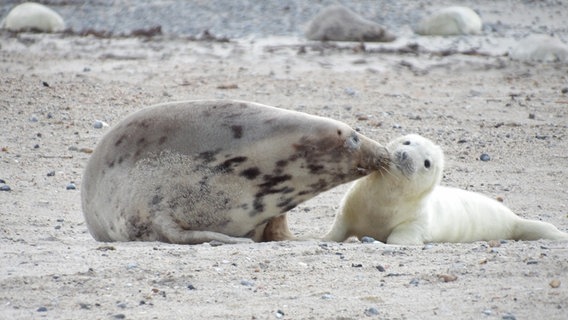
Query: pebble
x: 33, y: 119
x: 380, y: 268
x: 131, y: 265
x: 71, y: 186
x: 414, y: 282
x: 372, y: 311
x: 532, y: 262
x: 100, y: 124
x: 119, y: 316
x: 554, y: 283
x: 51, y: 173
x: 448, y: 277
x: 191, y: 287
x: 564, y: 90
x: 247, y: 283
x: 484, y: 157
x: 509, y: 316
x: 42, y: 309
x: 487, y: 312
x: 73, y: 148
x: 279, y: 314
x: 366, y: 239
x: 327, y: 296
x: 5, y: 187
x: 350, y: 92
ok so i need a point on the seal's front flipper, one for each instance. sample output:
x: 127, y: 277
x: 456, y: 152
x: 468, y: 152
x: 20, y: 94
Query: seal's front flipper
x: 277, y: 229
x: 170, y: 232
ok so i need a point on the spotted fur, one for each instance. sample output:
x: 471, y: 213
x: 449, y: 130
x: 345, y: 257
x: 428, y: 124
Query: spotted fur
x: 197, y: 171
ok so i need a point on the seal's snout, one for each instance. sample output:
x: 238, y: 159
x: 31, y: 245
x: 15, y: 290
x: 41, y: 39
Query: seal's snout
x: 375, y: 157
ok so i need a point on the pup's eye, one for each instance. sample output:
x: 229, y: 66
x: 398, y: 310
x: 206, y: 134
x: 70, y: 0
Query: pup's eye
x: 406, y: 143
x: 427, y: 163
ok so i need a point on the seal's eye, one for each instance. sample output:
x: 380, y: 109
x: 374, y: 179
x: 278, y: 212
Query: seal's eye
x: 427, y: 164
x: 406, y: 143
x: 355, y: 139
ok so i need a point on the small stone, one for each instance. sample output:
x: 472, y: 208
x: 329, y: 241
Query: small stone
x: 71, y: 186
x: 119, y: 316
x: 247, y: 283
x: 86, y: 69
x: 366, y: 239
x: 327, y: 296
x: 191, y: 287
x: 484, y: 157
x: 380, y: 268
x: 131, y: 265
x: 36, y: 146
x: 509, y: 316
x: 350, y: 92
x: 415, y: 282
x: 279, y: 314
x: 487, y: 312
x: 532, y: 262
x: 448, y: 277
x: 554, y: 283
x: 5, y: 187
x: 99, y: 124
x: 73, y: 148
x: 531, y: 116
x: 84, y: 306
x: 51, y: 173
x: 356, y: 265
x: 371, y: 312
x: 564, y: 90
x: 42, y: 309
x: 86, y: 150
x: 33, y: 118
x: 494, y: 243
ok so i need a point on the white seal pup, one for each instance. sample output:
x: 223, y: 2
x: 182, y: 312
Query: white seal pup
x: 542, y: 48
x: 451, y: 21
x: 197, y: 171
x: 407, y: 205
x: 337, y: 23
x: 30, y: 16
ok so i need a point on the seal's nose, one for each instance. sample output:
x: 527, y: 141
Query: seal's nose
x: 401, y: 155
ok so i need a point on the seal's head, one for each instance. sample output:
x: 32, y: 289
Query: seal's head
x: 416, y: 162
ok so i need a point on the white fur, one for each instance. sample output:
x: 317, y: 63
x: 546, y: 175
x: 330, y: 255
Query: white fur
x: 408, y: 206
x: 540, y: 48
x: 33, y: 16
x: 451, y: 21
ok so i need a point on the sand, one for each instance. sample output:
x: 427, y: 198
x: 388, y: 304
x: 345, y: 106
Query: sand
x: 464, y: 93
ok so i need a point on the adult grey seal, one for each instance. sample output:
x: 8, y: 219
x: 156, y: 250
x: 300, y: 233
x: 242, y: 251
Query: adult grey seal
x: 408, y: 206
x: 337, y: 23
x: 198, y: 171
